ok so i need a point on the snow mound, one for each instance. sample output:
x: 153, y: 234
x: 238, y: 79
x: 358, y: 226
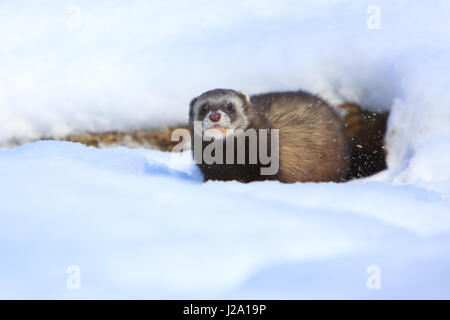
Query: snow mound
x: 95, y: 66
x: 141, y: 224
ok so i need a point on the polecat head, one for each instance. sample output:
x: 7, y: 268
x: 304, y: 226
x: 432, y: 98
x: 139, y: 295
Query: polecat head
x: 220, y: 110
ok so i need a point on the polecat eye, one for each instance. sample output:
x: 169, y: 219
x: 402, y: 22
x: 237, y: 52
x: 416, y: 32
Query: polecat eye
x: 230, y: 107
x: 203, y: 109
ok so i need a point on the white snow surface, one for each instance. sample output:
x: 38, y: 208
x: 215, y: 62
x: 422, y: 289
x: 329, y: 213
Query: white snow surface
x: 141, y: 224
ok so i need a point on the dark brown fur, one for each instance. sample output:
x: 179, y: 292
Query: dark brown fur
x: 313, y: 145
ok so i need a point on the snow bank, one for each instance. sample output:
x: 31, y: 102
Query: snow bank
x: 141, y: 224
x: 97, y: 66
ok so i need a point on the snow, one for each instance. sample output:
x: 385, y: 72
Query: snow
x: 141, y: 224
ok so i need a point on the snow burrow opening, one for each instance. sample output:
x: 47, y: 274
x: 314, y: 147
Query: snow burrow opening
x: 366, y: 131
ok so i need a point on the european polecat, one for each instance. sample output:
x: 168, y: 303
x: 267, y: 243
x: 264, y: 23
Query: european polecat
x: 312, y: 142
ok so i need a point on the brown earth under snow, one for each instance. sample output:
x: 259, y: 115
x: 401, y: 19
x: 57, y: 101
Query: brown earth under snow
x: 365, y: 130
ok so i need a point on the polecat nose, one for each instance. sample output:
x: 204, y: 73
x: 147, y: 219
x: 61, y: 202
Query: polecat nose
x: 214, y: 117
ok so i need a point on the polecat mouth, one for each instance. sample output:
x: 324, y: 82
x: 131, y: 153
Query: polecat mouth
x: 217, y: 128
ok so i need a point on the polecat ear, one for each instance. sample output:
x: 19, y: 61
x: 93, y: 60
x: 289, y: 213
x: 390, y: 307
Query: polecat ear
x: 191, y: 108
x: 191, y: 104
x: 245, y: 97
